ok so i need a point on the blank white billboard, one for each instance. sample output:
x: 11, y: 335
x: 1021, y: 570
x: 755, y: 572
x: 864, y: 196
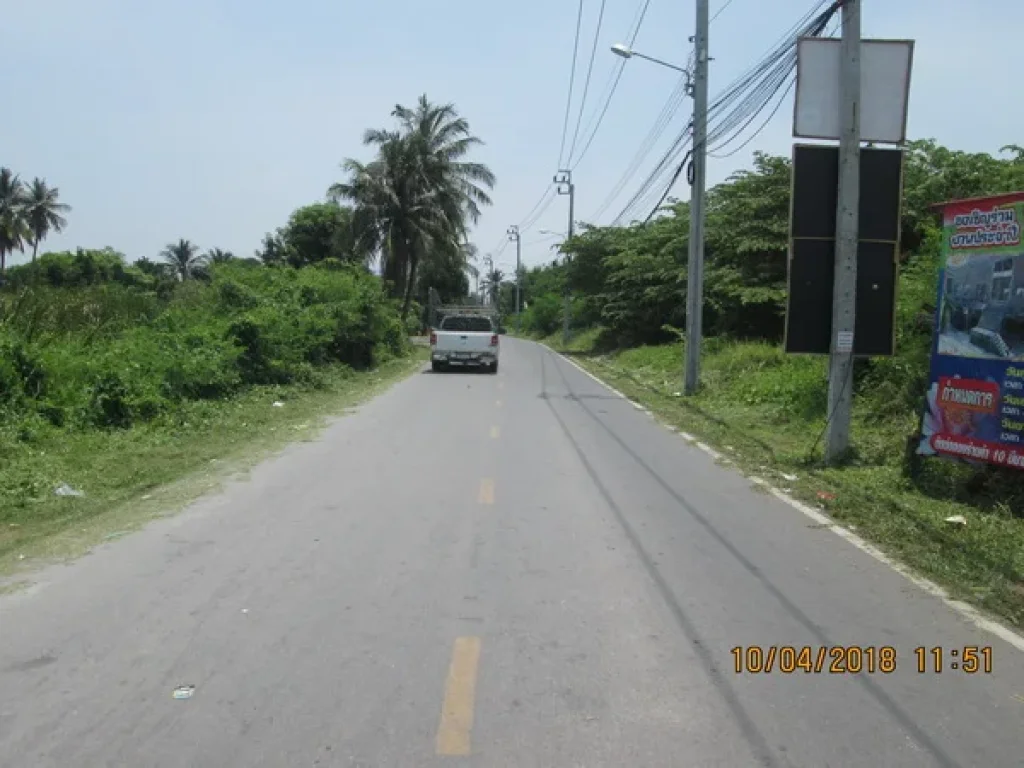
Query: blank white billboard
x: 884, y: 81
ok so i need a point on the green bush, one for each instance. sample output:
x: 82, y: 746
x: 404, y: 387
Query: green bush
x: 544, y: 315
x: 80, y: 353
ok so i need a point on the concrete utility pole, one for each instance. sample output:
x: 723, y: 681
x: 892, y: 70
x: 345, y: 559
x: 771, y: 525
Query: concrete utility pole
x: 695, y: 258
x: 565, y: 187
x: 487, y: 279
x: 513, y: 235
x: 844, y: 302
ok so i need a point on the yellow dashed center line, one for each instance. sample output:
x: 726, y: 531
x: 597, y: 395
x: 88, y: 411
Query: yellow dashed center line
x: 459, y: 694
x: 486, y: 495
x: 494, y: 433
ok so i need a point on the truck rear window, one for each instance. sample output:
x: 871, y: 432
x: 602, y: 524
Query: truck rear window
x: 471, y: 324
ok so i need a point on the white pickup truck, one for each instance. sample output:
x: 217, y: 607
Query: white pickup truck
x: 464, y: 341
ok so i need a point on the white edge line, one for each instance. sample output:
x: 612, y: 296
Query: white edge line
x: 585, y: 372
x: 966, y: 611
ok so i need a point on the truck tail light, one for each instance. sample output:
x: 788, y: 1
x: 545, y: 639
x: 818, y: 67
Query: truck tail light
x: 433, y: 339
x: 494, y: 340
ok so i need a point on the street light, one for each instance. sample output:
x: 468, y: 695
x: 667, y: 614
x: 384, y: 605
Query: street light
x: 697, y: 87
x: 627, y: 53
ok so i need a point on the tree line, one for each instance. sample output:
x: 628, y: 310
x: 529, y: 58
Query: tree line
x: 632, y: 280
x: 91, y: 339
x: 407, y: 210
x: 28, y: 213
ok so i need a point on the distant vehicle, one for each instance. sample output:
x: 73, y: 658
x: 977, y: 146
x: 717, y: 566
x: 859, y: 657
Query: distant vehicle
x: 464, y: 341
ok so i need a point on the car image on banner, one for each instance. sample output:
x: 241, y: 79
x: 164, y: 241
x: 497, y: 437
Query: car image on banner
x: 975, y: 404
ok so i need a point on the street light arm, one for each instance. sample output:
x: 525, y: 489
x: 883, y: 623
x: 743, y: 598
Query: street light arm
x: 620, y: 49
x: 684, y: 70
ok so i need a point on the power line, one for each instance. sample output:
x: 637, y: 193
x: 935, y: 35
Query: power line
x: 572, y: 80
x: 586, y: 83
x: 613, y: 84
x: 753, y: 91
x: 785, y: 94
x: 782, y: 99
x: 547, y: 200
x: 668, y: 188
x: 718, y: 13
x: 668, y: 111
x: 761, y: 96
x: 649, y: 188
x: 540, y: 200
x: 756, y: 133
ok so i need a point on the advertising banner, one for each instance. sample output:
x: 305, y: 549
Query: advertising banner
x: 975, y: 409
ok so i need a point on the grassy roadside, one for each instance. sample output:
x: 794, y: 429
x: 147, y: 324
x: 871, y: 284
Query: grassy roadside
x: 131, y: 476
x: 764, y: 411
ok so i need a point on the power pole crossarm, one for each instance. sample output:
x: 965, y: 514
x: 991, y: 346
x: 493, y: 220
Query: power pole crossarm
x: 844, y: 303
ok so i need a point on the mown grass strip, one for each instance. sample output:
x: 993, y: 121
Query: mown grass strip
x: 131, y: 476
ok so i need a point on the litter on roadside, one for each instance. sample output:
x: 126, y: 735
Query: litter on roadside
x: 184, y: 691
x: 957, y: 520
x: 66, y: 490
x: 278, y: 404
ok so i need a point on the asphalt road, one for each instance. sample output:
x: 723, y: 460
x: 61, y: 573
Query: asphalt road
x: 512, y: 570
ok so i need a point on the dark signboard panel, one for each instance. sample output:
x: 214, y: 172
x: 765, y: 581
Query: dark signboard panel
x: 874, y: 329
x: 809, y: 314
x: 812, y: 249
x: 816, y: 190
x: 881, y: 190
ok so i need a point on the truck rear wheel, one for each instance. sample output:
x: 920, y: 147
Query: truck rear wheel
x: 494, y: 367
x: 436, y: 366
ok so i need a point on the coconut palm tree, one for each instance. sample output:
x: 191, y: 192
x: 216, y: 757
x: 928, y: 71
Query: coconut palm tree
x: 470, y: 252
x: 43, y: 212
x: 397, y: 215
x: 13, y: 229
x: 218, y: 256
x: 415, y: 200
x: 443, y: 139
x: 447, y: 270
x: 492, y: 284
x: 183, y: 258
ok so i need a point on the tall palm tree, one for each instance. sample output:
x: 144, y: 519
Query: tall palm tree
x: 448, y: 270
x: 469, y: 257
x: 492, y: 284
x: 397, y: 215
x: 443, y: 140
x: 183, y: 258
x: 43, y: 212
x: 415, y: 200
x: 13, y: 229
x: 218, y: 256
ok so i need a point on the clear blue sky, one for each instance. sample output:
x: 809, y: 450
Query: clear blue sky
x: 214, y: 119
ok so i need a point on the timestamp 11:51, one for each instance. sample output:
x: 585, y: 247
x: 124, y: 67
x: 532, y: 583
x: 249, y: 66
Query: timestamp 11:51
x: 971, y: 659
